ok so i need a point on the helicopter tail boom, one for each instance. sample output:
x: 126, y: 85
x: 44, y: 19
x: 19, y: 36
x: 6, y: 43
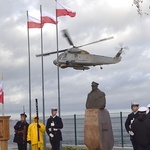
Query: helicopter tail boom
x: 119, y: 53
x: 118, y: 57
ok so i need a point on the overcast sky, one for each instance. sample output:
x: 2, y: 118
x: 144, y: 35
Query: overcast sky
x: 124, y: 82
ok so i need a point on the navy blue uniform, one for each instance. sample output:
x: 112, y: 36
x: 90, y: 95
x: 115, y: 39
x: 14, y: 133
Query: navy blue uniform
x: 148, y: 114
x: 131, y: 117
x: 54, y: 132
x: 20, y: 136
x: 141, y: 129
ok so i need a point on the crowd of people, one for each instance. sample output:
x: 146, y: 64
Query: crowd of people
x: 138, y: 126
x: 33, y: 133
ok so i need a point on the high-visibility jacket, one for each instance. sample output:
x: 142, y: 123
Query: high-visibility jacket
x: 33, y: 133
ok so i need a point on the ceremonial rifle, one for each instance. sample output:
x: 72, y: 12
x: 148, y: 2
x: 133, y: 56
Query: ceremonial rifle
x: 37, y: 115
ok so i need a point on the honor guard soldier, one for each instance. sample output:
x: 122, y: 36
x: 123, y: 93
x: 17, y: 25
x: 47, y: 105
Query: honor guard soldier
x: 20, y: 136
x: 148, y: 111
x: 131, y: 117
x: 53, y: 129
x: 141, y: 130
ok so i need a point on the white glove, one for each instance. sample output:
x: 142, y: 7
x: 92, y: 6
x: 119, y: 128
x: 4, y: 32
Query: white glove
x: 49, y: 129
x: 55, y: 129
x: 52, y: 124
x: 51, y: 135
x: 132, y: 121
x: 131, y: 133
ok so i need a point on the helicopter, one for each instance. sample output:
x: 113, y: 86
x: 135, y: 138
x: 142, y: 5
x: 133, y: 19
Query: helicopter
x: 79, y: 59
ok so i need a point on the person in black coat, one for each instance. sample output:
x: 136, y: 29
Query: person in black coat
x: 141, y: 130
x: 148, y: 112
x: 53, y: 129
x: 131, y: 117
x: 20, y: 136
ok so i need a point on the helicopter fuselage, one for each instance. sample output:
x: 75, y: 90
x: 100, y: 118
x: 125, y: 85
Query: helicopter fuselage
x: 81, y: 60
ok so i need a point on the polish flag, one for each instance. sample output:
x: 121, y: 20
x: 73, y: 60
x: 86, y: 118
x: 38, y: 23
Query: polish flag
x: 1, y: 93
x: 34, y: 23
x: 63, y: 10
x: 47, y: 18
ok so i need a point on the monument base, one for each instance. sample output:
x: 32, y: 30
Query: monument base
x: 4, y: 145
x: 98, y: 134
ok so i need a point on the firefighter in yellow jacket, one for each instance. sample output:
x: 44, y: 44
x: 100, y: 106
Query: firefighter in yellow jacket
x: 32, y: 136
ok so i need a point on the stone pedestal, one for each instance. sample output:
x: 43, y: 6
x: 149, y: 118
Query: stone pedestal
x: 4, y: 145
x: 4, y: 132
x: 98, y: 133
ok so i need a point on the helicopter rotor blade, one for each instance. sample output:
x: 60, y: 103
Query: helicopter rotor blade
x: 126, y: 47
x: 101, y: 40
x: 66, y: 35
x: 121, y: 46
x: 46, y: 54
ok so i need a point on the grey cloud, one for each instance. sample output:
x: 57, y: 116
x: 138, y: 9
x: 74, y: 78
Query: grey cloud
x: 123, y: 82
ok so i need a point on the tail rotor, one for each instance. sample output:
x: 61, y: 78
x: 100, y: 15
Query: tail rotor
x: 122, y: 48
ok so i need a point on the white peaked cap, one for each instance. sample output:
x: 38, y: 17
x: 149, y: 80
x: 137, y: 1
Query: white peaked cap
x: 54, y: 108
x: 134, y: 103
x: 142, y: 109
x: 148, y: 105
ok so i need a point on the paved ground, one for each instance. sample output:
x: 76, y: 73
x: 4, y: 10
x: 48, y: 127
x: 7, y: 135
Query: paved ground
x: 112, y: 149
x: 127, y: 148
x: 115, y: 148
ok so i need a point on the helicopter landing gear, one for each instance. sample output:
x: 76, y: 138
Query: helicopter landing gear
x: 101, y: 67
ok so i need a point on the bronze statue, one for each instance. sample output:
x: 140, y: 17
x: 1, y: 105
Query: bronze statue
x: 96, y: 98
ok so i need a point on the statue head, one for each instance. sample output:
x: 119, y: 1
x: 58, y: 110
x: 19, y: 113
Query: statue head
x: 94, y: 86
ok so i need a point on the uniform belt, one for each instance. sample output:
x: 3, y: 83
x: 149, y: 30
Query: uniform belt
x: 53, y: 129
x: 56, y: 130
x: 19, y: 131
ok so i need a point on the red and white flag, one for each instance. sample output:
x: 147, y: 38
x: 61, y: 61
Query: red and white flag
x: 1, y: 93
x: 63, y: 10
x: 47, y: 18
x: 34, y: 23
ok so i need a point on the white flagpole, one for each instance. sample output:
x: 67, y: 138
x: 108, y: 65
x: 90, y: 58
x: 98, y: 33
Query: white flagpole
x: 29, y: 67
x: 58, y: 76
x: 3, y: 99
x: 3, y: 109
x: 42, y: 64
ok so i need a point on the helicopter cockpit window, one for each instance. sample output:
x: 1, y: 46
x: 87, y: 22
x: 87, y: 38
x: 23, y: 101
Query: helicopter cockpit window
x: 65, y: 55
x: 62, y: 56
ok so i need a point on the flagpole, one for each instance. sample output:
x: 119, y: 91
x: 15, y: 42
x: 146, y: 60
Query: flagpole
x: 58, y: 76
x: 3, y: 109
x: 29, y: 67
x: 42, y: 65
x: 23, y: 109
x: 3, y: 99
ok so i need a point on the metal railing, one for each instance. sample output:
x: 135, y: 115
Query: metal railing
x: 73, y: 131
